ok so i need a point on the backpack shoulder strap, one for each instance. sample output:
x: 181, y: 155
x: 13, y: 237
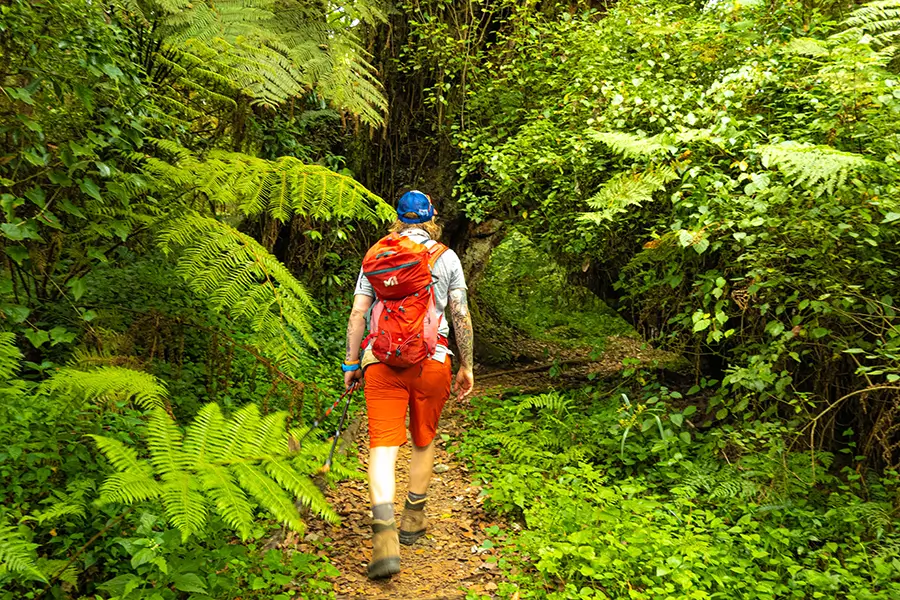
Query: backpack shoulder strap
x: 435, y: 251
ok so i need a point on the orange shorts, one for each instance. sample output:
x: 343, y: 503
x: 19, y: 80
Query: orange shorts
x: 424, y: 388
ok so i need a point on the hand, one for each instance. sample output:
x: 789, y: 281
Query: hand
x: 352, y: 378
x: 465, y: 383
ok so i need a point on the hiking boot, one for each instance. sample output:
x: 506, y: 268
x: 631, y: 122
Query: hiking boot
x: 385, y: 550
x: 414, y: 523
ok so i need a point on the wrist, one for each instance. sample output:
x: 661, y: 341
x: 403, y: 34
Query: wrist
x: 352, y: 365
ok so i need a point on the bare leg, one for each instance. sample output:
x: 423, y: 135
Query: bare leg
x: 382, y: 462
x: 420, y: 468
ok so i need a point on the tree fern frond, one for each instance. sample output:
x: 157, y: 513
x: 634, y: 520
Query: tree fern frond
x: 17, y: 555
x: 10, y: 356
x: 820, y: 168
x: 283, y: 187
x: 879, y: 19
x: 269, y: 50
x: 109, y: 383
x: 627, y: 189
x: 122, y: 457
x: 216, y: 464
x: 164, y: 441
x: 129, y: 488
x: 241, y: 279
x: 629, y: 145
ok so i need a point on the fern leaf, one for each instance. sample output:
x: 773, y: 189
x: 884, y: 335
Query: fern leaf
x: 820, y: 168
x: 879, y: 19
x: 302, y: 488
x: 242, y: 280
x: 806, y: 47
x: 269, y: 494
x: 282, y: 188
x: 110, y: 383
x: 230, y: 500
x: 129, y: 488
x: 217, y: 464
x: 17, y: 555
x: 627, y: 189
x: 70, y: 503
x: 10, y: 356
x: 629, y: 145
x: 164, y: 441
x: 186, y: 508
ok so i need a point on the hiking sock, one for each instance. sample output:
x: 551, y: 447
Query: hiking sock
x: 415, y: 501
x: 383, y: 514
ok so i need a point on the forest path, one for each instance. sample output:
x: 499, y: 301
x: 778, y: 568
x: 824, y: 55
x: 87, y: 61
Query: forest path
x: 445, y: 563
x: 449, y: 561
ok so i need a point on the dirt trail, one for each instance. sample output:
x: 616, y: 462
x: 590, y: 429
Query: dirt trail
x: 444, y: 564
x: 449, y: 561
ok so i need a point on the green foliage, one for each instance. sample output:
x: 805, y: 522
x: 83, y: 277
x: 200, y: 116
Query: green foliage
x: 522, y: 285
x: 879, y: 19
x: 241, y: 279
x: 625, y: 190
x: 217, y: 463
x: 280, y: 189
x: 727, y: 176
x: 109, y: 384
x: 268, y: 50
x: 702, y: 520
x: 819, y: 168
x: 17, y: 555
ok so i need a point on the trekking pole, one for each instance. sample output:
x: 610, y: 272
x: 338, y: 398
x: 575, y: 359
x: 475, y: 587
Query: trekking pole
x: 324, y: 416
x: 337, y: 432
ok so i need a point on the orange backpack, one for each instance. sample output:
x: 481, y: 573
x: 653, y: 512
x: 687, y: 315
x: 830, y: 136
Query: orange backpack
x: 403, y: 328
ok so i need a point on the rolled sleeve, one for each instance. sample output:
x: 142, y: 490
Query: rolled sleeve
x: 363, y: 287
x: 455, y: 278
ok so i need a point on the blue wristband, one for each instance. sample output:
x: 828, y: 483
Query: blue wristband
x: 347, y: 368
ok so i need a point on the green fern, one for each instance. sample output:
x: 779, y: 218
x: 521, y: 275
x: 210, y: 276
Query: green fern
x: 627, y: 189
x: 10, y: 357
x: 806, y: 47
x: 716, y: 482
x: 550, y: 401
x: 217, y: 464
x: 280, y: 188
x: 238, y: 277
x: 879, y: 19
x: 629, y: 145
x: 17, y: 555
x: 67, y: 504
x: 269, y: 50
x: 819, y: 168
x: 109, y: 383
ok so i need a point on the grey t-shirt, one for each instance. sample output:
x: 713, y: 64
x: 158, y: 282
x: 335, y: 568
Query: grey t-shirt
x: 448, y: 275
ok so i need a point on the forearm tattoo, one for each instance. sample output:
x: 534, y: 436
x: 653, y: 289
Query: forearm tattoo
x: 350, y: 330
x: 356, y: 328
x: 462, y: 326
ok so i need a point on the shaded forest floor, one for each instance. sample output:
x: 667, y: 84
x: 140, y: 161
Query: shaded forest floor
x: 452, y: 559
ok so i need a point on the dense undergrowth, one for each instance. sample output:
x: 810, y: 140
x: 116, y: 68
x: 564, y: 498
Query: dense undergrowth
x: 617, y: 494
x: 180, y: 230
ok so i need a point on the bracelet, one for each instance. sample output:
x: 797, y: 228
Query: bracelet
x: 350, y: 367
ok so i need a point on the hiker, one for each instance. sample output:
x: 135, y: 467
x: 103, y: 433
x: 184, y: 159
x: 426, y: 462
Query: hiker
x: 408, y: 279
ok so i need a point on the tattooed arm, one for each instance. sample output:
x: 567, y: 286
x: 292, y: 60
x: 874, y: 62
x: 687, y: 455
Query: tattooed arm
x: 356, y: 328
x: 465, y: 340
